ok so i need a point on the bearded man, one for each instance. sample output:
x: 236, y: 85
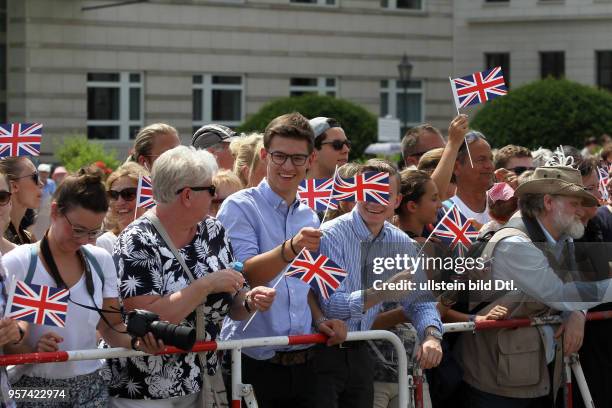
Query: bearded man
x: 534, y: 254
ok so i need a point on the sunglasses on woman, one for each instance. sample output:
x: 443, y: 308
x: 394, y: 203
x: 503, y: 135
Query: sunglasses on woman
x: 34, y: 177
x: 5, y: 197
x: 128, y: 194
x: 338, y: 144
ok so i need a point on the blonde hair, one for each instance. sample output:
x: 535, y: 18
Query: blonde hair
x: 246, y: 155
x: 143, y: 145
x: 227, y: 177
x: 133, y: 171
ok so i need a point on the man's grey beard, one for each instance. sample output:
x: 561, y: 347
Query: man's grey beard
x: 570, y: 226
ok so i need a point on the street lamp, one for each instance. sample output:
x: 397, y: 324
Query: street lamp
x: 405, y: 71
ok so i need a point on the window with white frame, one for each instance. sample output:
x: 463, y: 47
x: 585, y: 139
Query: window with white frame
x: 316, y: 2
x: 403, y: 4
x: 405, y: 104
x: 218, y: 99
x: 313, y: 85
x: 114, y: 105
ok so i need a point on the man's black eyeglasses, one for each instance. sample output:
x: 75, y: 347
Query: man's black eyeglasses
x: 518, y: 170
x: 128, y: 194
x: 210, y: 189
x: 280, y: 158
x: 34, y: 177
x: 338, y: 144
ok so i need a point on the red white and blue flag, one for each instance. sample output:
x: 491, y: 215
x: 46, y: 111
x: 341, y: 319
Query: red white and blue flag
x: 478, y: 87
x: 604, y: 179
x: 320, y: 272
x: 370, y: 186
x: 455, y: 229
x: 144, y: 196
x: 38, y: 304
x: 20, y: 139
x: 316, y: 193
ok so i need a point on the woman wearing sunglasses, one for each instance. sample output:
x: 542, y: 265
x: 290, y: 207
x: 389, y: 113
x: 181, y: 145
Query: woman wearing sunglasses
x: 121, y: 185
x: 63, y: 258
x: 26, y: 191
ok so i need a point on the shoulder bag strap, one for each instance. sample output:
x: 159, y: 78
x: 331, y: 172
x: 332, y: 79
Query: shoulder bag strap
x: 33, y: 261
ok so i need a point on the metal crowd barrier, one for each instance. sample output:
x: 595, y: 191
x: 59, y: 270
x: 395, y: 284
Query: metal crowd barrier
x: 240, y: 390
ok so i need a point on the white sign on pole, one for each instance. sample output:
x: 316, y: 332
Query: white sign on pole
x: 388, y: 130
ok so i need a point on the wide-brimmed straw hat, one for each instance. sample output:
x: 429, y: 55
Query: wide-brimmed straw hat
x: 556, y: 180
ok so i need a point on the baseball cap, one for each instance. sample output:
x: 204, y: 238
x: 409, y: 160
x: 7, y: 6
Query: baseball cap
x: 209, y: 135
x: 321, y: 125
x: 44, y: 168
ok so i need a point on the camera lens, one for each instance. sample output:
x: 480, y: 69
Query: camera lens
x: 182, y: 337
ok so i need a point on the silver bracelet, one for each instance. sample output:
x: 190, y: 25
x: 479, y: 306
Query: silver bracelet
x: 319, y: 321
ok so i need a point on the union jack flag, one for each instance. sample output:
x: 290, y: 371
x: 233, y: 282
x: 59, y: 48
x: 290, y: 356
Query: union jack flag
x: 320, y: 272
x: 20, y: 139
x: 478, y: 87
x: 39, y: 304
x: 604, y: 179
x: 456, y: 230
x: 369, y: 186
x: 144, y: 196
x: 316, y: 193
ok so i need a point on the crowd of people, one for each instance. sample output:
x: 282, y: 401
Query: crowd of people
x: 228, y: 222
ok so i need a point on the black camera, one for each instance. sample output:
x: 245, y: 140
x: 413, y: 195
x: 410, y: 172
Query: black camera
x: 141, y: 322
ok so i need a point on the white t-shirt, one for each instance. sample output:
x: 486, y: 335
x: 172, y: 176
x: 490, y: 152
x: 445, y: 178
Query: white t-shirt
x: 481, y: 218
x: 107, y: 241
x: 79, y: 332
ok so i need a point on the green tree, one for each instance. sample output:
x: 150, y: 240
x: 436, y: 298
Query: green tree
x: 546, y: 113
x: 77, y: 151
x: 358, y: 123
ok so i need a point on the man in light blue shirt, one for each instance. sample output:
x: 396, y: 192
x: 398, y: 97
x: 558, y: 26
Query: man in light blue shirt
x: 268, y: 227
x: 353, y: 241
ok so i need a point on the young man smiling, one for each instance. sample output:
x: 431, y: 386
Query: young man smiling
x: 268, y: 227
x: 353, y: 241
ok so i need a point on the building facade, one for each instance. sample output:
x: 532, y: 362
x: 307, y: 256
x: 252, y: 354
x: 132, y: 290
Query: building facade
x: 104, y: 72
x: 534, y: 39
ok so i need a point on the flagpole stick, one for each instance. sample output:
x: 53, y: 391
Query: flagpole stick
x: 273, y: 287
x: 330, y: 195
x: 459, y: 113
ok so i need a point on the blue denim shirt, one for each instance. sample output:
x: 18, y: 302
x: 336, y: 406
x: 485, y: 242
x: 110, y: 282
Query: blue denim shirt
x: 256, y: 221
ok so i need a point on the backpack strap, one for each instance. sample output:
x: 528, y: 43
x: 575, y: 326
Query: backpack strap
x: 94, y: 262
x: 33, y: 261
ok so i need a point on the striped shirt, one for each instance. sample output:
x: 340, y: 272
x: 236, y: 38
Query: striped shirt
x: 349, y: 243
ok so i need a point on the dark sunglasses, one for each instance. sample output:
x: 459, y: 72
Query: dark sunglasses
x: 518, y: 170
x: 34, y: 177
x: 128, y: 194
x: 210, y: 189
x: 338, y: 144
x: 5, y: 197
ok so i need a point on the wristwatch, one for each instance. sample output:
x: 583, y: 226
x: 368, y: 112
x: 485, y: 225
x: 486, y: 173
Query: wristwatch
x: 435, y: 333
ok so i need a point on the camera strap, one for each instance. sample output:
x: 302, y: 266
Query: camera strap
x: 45, y: 251
x: 200, y: 334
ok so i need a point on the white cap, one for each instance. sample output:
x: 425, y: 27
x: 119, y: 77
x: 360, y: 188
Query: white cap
x: 44, y: 168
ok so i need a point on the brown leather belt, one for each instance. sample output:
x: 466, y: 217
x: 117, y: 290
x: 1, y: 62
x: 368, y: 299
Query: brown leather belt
x: 289, y: 358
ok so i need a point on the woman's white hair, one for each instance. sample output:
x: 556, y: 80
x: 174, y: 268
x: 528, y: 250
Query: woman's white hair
x: 181, y: 167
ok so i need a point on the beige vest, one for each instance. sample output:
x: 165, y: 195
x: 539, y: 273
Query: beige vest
x: 509, y: 362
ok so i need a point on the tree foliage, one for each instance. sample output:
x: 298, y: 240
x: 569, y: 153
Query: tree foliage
x: 77, y: 151
x: 357, y: 122
x: 546, y: 113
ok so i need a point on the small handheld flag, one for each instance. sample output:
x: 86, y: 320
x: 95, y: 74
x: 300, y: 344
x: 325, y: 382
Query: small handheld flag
x: 455, y: 229
x: 316, y: 194
x: 38, y: 304
x: 20, y: 139
x: 320, y: 272
x: 144, y: 197
x: 370, y: 186
x: 478, y: 87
